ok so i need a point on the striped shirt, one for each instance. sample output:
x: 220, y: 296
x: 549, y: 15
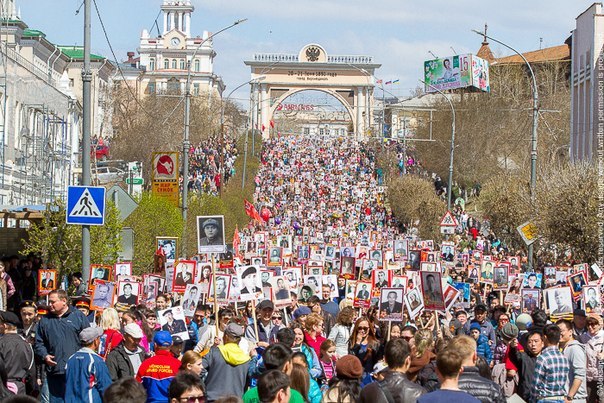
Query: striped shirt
x: 551, y: 374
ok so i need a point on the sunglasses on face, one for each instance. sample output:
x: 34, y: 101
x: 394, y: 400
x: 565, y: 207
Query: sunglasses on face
x: 276, y: 318
x: 363, y: 328
x: 193, y: 399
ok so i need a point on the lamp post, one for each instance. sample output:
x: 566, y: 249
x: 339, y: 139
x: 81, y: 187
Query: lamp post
x: 86, y: 127
x: 186, y: 142
x: 452, y: 150
x: 223, y: 102
x: 534, y: 130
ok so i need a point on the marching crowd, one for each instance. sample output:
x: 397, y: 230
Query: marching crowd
x: 471, y: 324
x: 205, y: 161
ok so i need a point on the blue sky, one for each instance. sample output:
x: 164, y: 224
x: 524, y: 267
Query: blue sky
x: 398, y: 33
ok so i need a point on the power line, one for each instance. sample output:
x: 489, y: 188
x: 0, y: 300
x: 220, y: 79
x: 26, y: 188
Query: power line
x: 98, y: 13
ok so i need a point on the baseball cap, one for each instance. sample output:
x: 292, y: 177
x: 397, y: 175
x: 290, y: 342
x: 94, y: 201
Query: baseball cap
x: 303, y: 310
x: 177, y: 340
x: 162, y: 339
x: 90, y: 334
x: 233, y: 330
x: 579, y: 312
x: 133, y: 330
x: 267, y: 303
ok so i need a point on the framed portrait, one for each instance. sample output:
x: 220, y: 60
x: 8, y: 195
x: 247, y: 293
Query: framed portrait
x: 210, y: 234
x: 152, y: 286
x: 285, y: 242
x: 184, y: 273
x: 362, y: 294
x: 122, y: 269
x: 347, y: 251
x: 592, y: 298
x: 292, y: 276
x: 281, y: 295
x: 331, y: 281
x: 559, y: 301
x: 428, y: 266
x: 377, y: 256
x: 274, y: 257
x: 128, y: 293
x: 172, y: 320
x: 414, y: 259
x: 47, y: 281
x: 381, y: 278
x: 190, y: 299
x: 347, y: 267
x: 251, y: 247
x: 102, y: 295
x: 314, y: 269
x: 250, y: 283
x: 234, y: 289
x: 530, y: 300
x: 399, y: 282
x: 303, y: 252
x: 486, y: 271
x: 265, y: 277
x: 532, y: 281
x: 501, y: 277
x: 447, y: 251
x: 576, y: 282
x: 432, y: 291
x: 391, y: 304
x: 514, y: 262
x: 351, y: 285
x: 330, y: 252
x: 168, y: 246
x: 314, y: 282
x: 549, y: 273
x: 223, y: 284
x: 451, y: 295
x: 100, y: 272
x: 465, y: 289
x: 205, y: 272
x: 414, y: 303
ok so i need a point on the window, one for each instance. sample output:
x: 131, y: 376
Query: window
x: 173, y: 86
x: 152, y: 64
x: 182, y: 64
x: 166, y: 64
x: 321, y: 132
x: 196, y: 89
x: 307, y: 130
x: 197, y: 65
x: 174, y: 64
x: 151, y: 88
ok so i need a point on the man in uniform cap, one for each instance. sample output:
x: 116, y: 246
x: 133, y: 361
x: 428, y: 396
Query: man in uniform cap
x: 87, y: 374
x: 227, y: 365
x: 213, y: 235
x: 16, y: 353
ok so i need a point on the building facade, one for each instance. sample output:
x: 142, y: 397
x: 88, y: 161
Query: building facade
x: 163, y: 62
x: 41, y: 105
x: 587, y: 81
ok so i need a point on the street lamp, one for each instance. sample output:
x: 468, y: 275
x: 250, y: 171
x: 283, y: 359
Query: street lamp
x: 534, y: 131
x: 451, y: 153
x: 186, y: 142
x: 222, y: 106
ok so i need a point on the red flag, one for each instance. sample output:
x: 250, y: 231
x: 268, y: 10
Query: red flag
x: 272, y: 124
x: 251, y: 211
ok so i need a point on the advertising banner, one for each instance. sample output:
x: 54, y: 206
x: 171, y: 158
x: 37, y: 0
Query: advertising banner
x: 461, y: 71
x: 164, y: 175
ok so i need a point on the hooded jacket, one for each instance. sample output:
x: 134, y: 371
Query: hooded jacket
x: 574, y: 352
x: 120, y: 365
x: 483, y: 348
x: 59, y: 336
x: 226, y: 368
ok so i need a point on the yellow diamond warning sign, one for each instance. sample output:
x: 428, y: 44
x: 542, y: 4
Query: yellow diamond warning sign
x: 528, y: 232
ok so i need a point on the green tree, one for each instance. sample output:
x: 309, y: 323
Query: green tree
x: 154, y: 217
x: 60, y: 244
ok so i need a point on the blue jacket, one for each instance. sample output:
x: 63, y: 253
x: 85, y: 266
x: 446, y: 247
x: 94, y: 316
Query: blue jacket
x: 87, y: 377
x: 483, y: 348
x: 59, y: 336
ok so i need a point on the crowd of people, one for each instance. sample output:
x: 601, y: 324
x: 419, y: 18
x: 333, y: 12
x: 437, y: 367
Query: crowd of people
x: 205, y: 160
x: 324, y: 297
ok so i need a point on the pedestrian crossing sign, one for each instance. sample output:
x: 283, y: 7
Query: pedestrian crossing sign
x: 448, y: 220
x: 86, y: 205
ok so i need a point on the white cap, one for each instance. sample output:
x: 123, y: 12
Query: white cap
x: 133, y: 330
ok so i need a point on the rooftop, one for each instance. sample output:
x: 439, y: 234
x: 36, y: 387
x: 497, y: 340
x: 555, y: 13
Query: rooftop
x: 33, y: 33
x: 77, y: 53
x: 551, y: 54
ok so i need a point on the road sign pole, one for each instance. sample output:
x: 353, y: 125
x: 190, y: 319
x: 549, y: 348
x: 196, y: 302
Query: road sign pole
x: 86, y: 85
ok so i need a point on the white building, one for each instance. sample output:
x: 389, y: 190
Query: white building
x: 163, y: 59
x: 587, y: 81
x: 41, y: 110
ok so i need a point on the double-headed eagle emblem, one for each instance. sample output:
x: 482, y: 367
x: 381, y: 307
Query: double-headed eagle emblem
x: 312, y: 54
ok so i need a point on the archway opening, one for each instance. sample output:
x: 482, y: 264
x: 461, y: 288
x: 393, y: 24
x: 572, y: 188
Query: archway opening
x: 313, y: 113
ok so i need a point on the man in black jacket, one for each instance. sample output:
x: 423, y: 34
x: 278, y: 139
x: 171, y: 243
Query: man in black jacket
x: 525, y: 360
x: 470, y: 380
x: 395, y: 387
x: 124, y: 360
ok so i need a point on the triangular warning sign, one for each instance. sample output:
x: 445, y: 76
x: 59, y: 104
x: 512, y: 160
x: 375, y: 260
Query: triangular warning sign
x: 85, y: 206
x: 448, y: 220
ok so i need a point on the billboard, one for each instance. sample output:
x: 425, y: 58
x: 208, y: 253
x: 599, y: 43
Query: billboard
x: 165, y: 175
x: 461, y: 71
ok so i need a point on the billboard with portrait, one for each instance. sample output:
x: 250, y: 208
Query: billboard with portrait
x: 459, y: 71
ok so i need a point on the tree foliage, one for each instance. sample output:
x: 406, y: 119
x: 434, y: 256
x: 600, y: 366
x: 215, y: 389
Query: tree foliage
x: 153, y: 217
x: 493, y: 131
x: 60, y: 244
x: 415, y: 203
x: 565, y: 211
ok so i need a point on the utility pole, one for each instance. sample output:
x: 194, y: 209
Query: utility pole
x: 86, y: 118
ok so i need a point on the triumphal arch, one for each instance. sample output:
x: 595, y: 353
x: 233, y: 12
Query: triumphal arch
x: 348, y: 78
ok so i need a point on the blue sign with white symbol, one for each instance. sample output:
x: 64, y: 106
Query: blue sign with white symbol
x: 86, y: 205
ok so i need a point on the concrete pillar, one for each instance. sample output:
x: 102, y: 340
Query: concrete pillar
x: 166, y: 29
x: 172, y: 19
x: 264, y: 111
x: 188, y: 19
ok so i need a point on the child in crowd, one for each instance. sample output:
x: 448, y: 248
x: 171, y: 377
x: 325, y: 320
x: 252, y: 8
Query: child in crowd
x: 483, y: 348
x: 328, y: 359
